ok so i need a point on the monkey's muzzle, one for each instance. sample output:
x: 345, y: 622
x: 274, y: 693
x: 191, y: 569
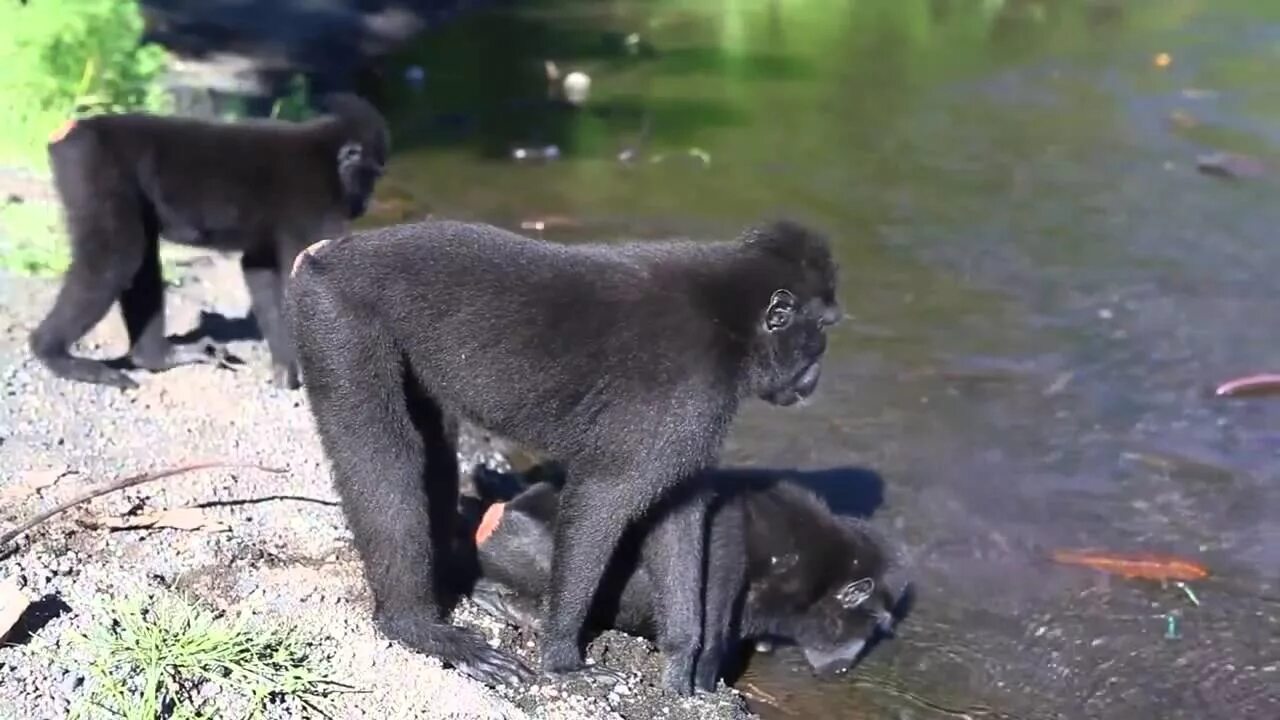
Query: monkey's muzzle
x: 799, y: 389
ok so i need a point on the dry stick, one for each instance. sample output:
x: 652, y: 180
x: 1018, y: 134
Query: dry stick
x: 121, y: 484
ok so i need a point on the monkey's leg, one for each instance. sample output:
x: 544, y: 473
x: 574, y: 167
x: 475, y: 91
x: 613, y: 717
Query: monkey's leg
x: 439, y: 434
x: 676, y: 553
x: 380, y: 463
x: 142, y: 304
x: 262, y: 276
x: 593, y: 515
x: 726, y: 577
x: 379, y: 470
x: 94, y: 280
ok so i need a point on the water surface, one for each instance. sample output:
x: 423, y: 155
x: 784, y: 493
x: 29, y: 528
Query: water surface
x: 1043, y: 291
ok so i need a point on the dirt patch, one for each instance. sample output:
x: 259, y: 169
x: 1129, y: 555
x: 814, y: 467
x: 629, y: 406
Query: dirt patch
x: 287, y: 552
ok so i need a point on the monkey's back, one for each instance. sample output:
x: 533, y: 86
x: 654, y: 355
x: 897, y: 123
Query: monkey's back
x: 510, y: 331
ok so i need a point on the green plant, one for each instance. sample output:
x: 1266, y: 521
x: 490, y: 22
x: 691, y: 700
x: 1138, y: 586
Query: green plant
x: 294, y: 104
x: 33, y: 239
x: 66, y: 58
x: 152, y: 657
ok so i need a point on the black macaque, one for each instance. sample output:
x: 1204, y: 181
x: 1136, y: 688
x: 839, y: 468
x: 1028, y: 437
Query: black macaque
x: 781, y: 567
x: 626, y: 362
x: 268, y: 188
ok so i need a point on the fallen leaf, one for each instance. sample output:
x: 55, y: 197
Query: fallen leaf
x: 187, y: 518
x: 1182, y: 120
x: 1060, y: 383
x: 1134, y: 565
x: 13, y: 603
x: 549, y: 221
x: 489, y: 522
x: 1230, y: 165
x: 1196, y: 463
x: 32, y: 482
x: 1198, y: 93
x: 1263, y: 384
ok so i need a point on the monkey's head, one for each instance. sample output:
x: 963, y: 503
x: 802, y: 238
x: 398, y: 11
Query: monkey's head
x: 830, y: 603
x: 362, y: 156
x: 789, y: 333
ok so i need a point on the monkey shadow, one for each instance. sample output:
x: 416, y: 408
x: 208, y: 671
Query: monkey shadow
x: 220, y: 329
x: 853, y: 491
x: 212, y: 333
x: 848, y: 490
x: 37, y: 615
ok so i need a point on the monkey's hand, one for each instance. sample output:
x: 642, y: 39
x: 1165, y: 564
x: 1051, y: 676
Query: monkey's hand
x: 506, y: 605
x: 472, y: 657
x: 465, y: 650
x: 561, y: 664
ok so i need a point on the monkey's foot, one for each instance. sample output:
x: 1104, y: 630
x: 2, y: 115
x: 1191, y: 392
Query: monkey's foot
x: 90, y: 371
x: 710, y: 662
x: 707, y: 675
x: 285, y: 376
x: 677, y: 674
x: 466, y: 651
x: 597, y: 674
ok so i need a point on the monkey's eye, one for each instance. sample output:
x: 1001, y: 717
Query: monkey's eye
x: 782, y: 308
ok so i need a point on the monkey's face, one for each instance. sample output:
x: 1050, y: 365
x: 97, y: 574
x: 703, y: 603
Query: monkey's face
x: 840, y: 624
x: 360, y: 165
x: 790, y: 333
x: 792, y: 341
x: 830, y: 601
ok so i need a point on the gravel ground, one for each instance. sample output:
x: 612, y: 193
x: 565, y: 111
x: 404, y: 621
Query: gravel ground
x: 287, y: 552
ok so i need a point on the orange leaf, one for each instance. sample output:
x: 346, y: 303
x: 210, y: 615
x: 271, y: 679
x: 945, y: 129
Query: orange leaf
x: 1251, y: 385
x: 1134, y: 565
x: 489, y: 523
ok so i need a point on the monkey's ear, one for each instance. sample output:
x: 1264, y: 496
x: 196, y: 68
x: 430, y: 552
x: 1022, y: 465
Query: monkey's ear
x: 781, y: 310
x: 855, y: 593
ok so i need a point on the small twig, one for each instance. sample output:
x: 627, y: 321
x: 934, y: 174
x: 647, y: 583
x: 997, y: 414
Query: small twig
x: 121, y: 484
x: 755, y: 693
x: 1190, y: 595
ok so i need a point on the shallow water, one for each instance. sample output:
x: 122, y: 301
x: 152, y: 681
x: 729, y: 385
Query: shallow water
x: 1043, y: 292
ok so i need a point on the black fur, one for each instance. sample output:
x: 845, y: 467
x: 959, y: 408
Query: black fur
x: 268, y: 188
x: 626, y: 362
x: 778, y: 561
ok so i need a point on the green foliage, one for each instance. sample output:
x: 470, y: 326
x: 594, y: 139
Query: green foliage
x: 33, y: 239
x: 152, y: 657
x: 295, y: 103
x: 66, y: 58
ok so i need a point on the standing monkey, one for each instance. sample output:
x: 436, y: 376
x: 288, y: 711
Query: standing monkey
x: 267, y: 188
x: 625, y: 362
